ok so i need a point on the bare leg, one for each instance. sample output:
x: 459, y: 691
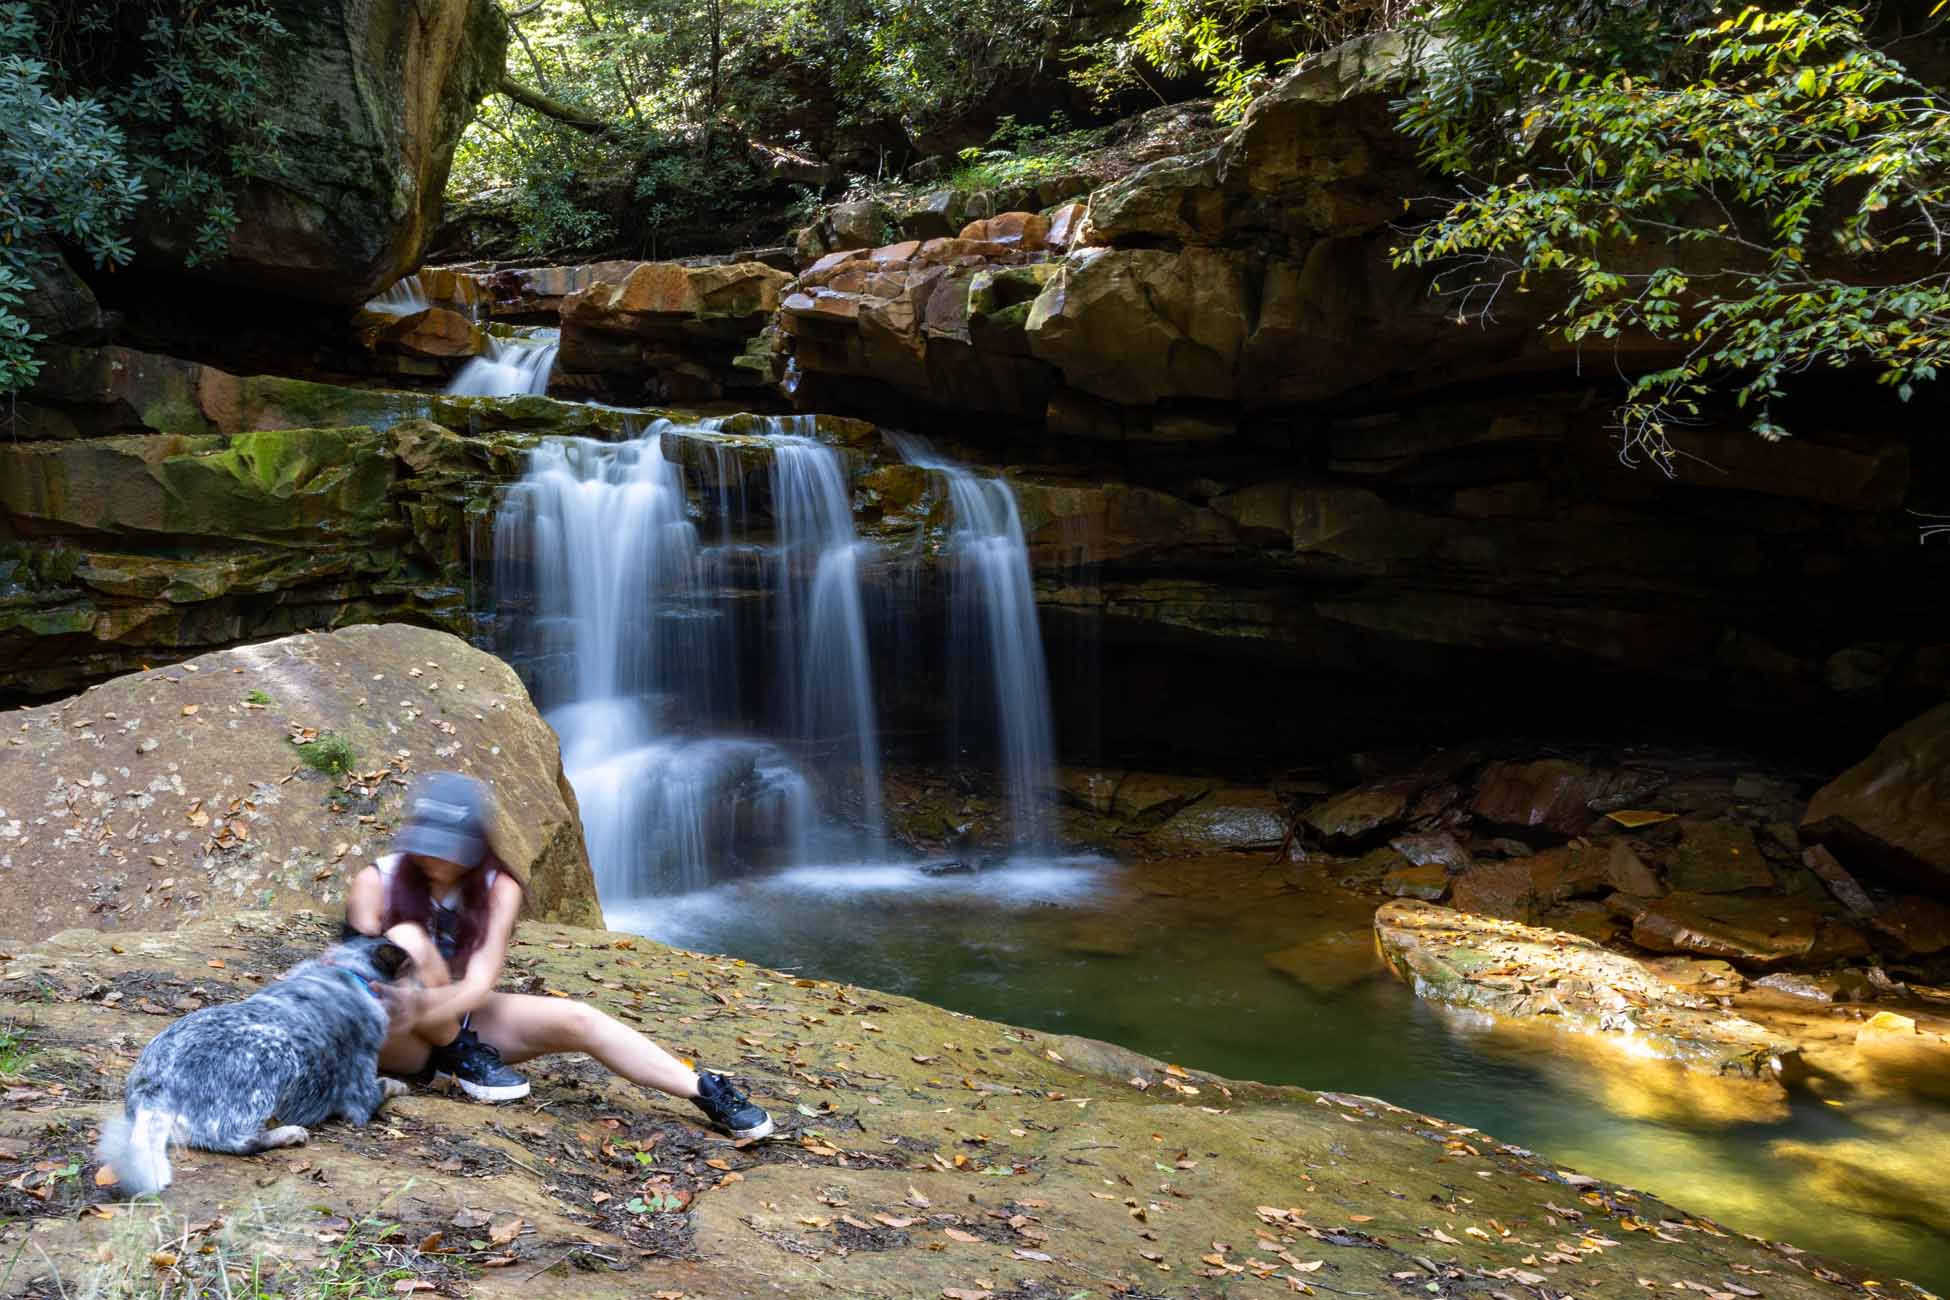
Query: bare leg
x: 407, y: 1047
x: 521, y: 1027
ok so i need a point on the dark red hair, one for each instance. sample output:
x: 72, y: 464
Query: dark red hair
x: 410, y: 901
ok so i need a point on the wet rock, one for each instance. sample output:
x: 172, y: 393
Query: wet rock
x: 1436, y: 848
x: 1891, y: 811
x: 1811, y: 988
x: 1503, y: 889
x: 1912, y: 926
x: 1627, y: 872
x: 1370, y: 869
x: 435, y: 332
x: 1359, y: 814
x: 1753, y: 932
x: 1556, y: 795
x: 1698, y: 976
x: 1716, y: 857
x: 1229, y: 819
x: 1426, y: 881
x: 1838, y: 881
x: 1576, y: 870
x: 222, y: 814
x: 1530, y: 974
x: 1586, y: 919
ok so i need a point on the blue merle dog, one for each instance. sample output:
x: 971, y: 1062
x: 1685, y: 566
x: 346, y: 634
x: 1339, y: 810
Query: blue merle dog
x: 251, y: 1076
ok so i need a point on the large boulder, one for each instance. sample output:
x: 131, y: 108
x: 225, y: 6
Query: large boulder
x: 1761, y: 933
x: 1140, y: 325
x: 371, y: 102
x: 164, y: 796
x: 1891, y: 811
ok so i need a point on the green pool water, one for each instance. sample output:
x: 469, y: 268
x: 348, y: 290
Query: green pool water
x: 1173, y: 961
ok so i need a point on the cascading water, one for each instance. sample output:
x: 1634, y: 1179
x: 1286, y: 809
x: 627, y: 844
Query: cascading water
x: 511, y: 366
x: 402, y: 298
x: 994, y: 631
x: 822, y: 630
x: 629, y: 631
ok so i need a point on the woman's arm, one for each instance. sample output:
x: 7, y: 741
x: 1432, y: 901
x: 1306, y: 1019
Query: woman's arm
x: 365, y: 901
x: 484, y: 967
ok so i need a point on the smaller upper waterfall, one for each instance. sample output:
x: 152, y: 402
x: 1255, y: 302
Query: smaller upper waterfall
x: 994, y: 631
x: 402, y: 298
x: 518, y: 364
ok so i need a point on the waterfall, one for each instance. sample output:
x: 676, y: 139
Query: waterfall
x: 510, y: 366
x: 402, y: 298
x: 628, y: 630
x: 993, y: 628
x: 822, y: 627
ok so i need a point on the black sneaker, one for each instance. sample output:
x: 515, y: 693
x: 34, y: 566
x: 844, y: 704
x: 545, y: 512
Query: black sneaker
x: 729, y: 1108
x: 477, y: 1070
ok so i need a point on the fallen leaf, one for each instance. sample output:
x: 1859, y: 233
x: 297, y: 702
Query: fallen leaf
x: 1360, y: 1218
x: 1036, y: 1255
x: 408, y: 1285
x: 965, y: 1293
x: 106, y: 1176
x: 956, y: 1234
x: 505, y: 1231
x: 189, y: 710
x: 1631, y: 818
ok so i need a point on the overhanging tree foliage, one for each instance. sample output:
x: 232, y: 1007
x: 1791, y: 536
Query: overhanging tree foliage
x: 1766, y: 192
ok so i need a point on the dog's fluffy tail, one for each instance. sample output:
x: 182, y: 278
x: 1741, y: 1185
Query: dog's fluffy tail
x: 137, y: 1148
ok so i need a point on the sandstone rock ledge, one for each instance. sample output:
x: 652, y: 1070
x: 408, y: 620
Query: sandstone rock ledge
x: 920, y: 1154
x: 1522, y: 972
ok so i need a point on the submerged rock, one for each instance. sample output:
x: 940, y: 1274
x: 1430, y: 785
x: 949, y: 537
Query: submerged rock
x: 161, y: 797
x: 1526, y: 973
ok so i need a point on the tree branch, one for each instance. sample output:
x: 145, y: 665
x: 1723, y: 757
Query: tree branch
x: 536, y: 101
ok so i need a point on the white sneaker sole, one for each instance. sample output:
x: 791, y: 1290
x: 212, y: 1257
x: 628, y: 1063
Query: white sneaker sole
x: 483, y: 1091
x: 763, y: 1130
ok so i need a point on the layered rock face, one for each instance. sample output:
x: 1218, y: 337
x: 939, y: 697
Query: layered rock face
x: 663, y: 331
x: 154, y: 508
x: 371, y: 109
x: 1277, y: 436
x: 267, y: 776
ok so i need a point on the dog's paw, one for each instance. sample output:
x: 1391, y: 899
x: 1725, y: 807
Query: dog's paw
x: 390, y: 1088
x: 289, y: 1135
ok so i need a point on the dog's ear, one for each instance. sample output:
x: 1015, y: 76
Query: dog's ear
x: 389, y: 959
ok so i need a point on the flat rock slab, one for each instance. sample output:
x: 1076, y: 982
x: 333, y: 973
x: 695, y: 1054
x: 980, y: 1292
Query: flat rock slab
x: 1527, y: 973
x: 920, y: 1153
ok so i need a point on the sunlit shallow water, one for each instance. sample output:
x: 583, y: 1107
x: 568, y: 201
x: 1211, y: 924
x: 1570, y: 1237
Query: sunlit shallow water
x: 1173, y: 961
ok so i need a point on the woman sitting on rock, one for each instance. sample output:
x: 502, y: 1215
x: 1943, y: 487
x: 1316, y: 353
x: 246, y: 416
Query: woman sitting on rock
x: 444, y: 897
